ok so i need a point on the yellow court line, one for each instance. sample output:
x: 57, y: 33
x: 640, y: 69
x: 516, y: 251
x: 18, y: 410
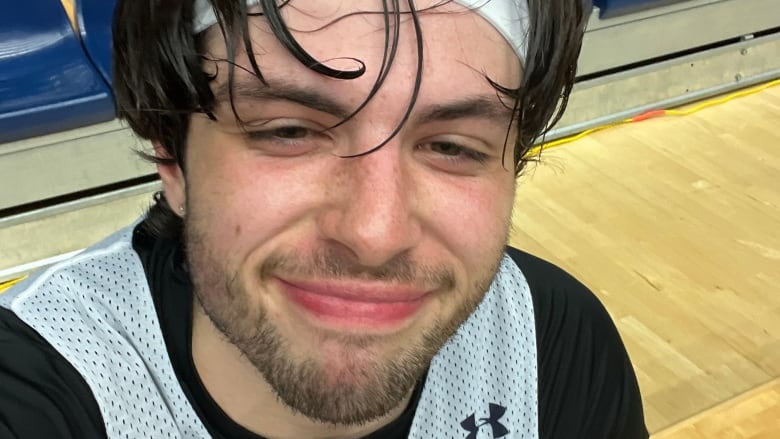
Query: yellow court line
x: 535, y: 151
x: 9, y: 283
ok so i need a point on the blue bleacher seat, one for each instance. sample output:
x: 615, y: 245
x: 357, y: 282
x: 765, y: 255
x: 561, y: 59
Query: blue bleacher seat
x: 614, y: 8
x: 47, y: 83
x: 95, y: 18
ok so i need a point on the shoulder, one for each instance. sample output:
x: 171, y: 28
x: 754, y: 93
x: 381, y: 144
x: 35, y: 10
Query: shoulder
x: 42, y: 394
x: 76, y: 283
x: 559, y: 299
x: 97, y: 311
x: 44, y: 319
x: 585, y: 375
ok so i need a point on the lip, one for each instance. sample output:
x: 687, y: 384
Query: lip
x: 355, y: 304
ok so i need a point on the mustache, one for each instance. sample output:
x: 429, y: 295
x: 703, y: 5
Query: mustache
x: 335, y: 265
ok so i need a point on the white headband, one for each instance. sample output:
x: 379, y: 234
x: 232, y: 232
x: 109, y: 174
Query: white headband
x: 509, y: 17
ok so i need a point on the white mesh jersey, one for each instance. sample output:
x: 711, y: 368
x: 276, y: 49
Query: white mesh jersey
x: 97, y: 311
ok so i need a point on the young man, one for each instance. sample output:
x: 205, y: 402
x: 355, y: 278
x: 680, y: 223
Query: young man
x: 327, y: 258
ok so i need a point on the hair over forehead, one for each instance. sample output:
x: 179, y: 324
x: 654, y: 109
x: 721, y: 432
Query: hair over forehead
x: 509, y: 17
x: 160, y: 82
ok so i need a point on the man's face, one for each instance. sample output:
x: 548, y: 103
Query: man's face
x: 340, y: 278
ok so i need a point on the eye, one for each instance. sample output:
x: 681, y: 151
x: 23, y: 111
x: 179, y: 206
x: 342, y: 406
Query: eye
x: 454, y: 151
x: 454, y: 157
x: 286, y: 138
x: 445, y: 148
x: 289, y: 132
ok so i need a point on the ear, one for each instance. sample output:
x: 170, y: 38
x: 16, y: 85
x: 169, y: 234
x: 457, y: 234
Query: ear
x: 172, y: 181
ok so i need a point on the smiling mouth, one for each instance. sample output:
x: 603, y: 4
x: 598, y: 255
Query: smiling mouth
x: 367, y: 306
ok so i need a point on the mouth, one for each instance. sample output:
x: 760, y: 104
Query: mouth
x: 355, y: 305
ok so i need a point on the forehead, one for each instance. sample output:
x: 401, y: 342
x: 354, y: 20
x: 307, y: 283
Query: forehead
x: 457, y: 48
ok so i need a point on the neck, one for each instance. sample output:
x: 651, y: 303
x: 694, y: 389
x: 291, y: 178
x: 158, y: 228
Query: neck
x: 242, y: 393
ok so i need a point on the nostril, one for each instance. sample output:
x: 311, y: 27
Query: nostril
x: 374, y: 231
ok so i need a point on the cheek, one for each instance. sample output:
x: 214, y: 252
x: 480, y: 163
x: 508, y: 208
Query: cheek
x: 473, y: 220
x: 246, y: 204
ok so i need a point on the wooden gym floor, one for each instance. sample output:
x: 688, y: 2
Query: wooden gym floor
x: 675, y: 224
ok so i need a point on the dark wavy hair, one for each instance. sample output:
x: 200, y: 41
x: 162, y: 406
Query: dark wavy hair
x: 159, y: 79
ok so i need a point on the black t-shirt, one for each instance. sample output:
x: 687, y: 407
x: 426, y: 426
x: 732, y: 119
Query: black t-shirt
x: 587, y: 387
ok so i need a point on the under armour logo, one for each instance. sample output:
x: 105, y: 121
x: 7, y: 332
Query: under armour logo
x: 496, y: 412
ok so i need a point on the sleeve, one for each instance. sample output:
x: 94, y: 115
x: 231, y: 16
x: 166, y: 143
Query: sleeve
x: 587, y: 385
x: 41, y: 394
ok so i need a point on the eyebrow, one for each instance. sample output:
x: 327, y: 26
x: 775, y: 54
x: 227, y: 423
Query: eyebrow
x: 479, y: 106
x: 282, y: 91
x: 482, y: 107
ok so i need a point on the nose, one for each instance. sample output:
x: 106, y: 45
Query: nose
x: 374, y: 211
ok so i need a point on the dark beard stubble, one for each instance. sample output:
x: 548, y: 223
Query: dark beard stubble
x: 363, y: 391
